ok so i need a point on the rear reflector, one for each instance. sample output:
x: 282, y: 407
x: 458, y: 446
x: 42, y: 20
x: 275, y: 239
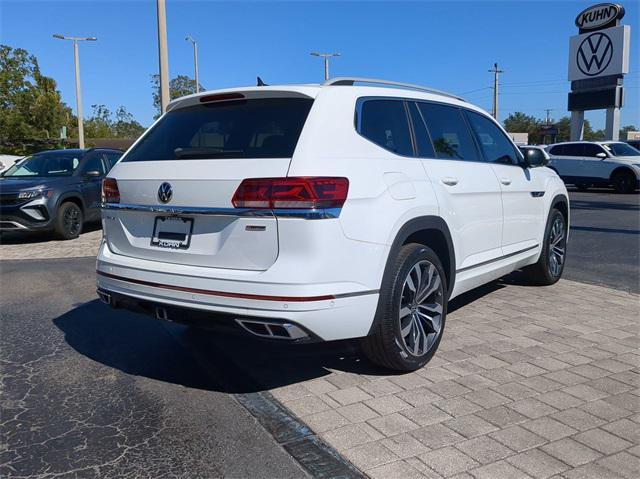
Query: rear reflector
x: 291, y: 193
x: 110, y: 192
x: 221, y: 97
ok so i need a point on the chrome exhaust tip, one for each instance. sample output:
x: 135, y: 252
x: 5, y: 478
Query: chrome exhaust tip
x: 272, y: 330
x: 104, y: 297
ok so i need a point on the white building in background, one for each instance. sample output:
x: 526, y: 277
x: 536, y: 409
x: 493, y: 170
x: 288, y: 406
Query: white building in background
x: 519, y: 138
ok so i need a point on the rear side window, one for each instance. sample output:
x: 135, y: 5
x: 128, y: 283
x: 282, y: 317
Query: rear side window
x: 451, y: 137
x: 256, y: 128
x: 385, y: 123
x: 570, y: 149
x: 557, y: 150
x: 112, y: 158
x: 494, y: 144
x: 591, y: 150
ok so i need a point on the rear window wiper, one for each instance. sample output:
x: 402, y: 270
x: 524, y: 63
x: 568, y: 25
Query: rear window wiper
x: 205, y: 153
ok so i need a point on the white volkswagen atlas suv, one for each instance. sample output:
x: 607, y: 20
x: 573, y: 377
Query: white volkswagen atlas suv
x: 353, y: 209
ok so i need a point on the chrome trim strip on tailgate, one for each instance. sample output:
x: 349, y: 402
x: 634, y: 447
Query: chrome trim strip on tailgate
x: 309, y: 214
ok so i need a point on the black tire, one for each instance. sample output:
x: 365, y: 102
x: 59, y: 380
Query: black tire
x: 69, y: 221
x: 387, y: 346
x: 624, y: 181
x: 547, y: 271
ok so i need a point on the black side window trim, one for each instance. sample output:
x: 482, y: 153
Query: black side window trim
x: 426, y: 128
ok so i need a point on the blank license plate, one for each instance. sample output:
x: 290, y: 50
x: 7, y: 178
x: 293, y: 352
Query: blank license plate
x: 172, y: 232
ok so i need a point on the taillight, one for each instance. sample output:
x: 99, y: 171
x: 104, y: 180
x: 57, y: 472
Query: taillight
x: 295, y: 193
x: 110, y: 192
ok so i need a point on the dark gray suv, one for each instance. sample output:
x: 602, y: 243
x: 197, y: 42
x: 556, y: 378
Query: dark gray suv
x: 57, y: 190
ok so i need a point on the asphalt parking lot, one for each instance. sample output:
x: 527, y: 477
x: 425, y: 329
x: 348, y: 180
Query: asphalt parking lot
x: 604, y: 240
x: 528, y: 382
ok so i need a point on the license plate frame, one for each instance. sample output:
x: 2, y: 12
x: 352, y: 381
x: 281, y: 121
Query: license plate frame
x: 176, y: 235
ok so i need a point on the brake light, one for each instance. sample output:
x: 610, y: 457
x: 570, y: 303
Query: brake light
x: 221, y: 97
x: 295, y: 193
x: 110, y: 192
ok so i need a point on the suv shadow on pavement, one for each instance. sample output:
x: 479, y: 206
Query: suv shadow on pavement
x: 227, y: 360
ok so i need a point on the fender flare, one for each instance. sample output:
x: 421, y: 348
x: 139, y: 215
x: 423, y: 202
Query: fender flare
x: 410, y: 227
x: 560, y: 198
x: 622, y: 168
x: 71, y: 195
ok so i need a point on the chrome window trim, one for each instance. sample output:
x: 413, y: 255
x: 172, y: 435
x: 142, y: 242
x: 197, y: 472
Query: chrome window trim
x: 308, y: 214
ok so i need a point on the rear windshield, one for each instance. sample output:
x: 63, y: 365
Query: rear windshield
x: 257, y: 128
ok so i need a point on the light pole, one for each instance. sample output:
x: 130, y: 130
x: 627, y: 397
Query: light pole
x: 326, y: 57
x: 163, y: 55
x: 195, y: 60
x: 78, y: 91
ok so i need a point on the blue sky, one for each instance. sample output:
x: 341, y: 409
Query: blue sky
x: 446, y: 45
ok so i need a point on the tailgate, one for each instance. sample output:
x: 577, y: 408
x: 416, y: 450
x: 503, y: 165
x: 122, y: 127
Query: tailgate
x: 213, y: 236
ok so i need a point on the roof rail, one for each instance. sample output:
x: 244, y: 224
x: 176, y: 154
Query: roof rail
x: 351, y: 80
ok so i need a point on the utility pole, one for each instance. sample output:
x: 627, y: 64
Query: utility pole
x: 76, y: 57
x: 163, y: 55
x: 326, y: 57
x: 195, y: 60
x: 496, y: 78
x: 548, y: 110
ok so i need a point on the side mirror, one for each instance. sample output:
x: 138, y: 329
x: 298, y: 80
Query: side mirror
x: 534, y: 158
x: 602, y: 156
x: 93, y: 174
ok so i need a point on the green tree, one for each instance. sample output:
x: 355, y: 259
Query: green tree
x: 564, y: 128
x: 589, y: 134
x: 104, y: 124
x: 125, y: 125
x: 518, y: 122
x: 99, y: 124
x: 179, y: 86
x: 625, y: 129
x: 30, y: 105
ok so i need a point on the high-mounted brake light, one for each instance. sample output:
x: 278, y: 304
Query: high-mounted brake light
x: 221, y: 97
x: 110, y: 192
x: 293, y: 193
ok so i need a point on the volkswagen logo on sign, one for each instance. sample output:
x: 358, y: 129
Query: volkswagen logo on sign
x: 165, y: 192
x: 594, y: 54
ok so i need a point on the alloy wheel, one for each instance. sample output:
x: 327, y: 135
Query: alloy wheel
x: 557, y: 246
x: 421, y: 306
x: 72, y: 221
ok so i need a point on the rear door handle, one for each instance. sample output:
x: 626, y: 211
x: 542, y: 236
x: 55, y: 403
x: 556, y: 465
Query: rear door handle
x: 449, y: 181
x: 505, y: 181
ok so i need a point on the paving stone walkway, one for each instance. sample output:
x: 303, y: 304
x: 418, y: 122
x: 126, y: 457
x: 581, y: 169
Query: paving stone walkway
x: 528, y: 382
x: 42, y: 246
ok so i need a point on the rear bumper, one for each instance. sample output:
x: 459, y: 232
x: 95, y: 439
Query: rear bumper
x: 327, y: 311
x: 275, y: 329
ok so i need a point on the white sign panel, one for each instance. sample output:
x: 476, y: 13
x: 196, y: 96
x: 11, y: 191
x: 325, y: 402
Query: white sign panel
x: 599, y: 53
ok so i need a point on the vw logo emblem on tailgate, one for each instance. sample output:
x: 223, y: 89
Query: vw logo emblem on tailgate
x: 165, y: 192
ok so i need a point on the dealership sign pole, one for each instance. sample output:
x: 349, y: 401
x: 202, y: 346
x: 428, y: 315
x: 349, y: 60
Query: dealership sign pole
x: 598, y: 60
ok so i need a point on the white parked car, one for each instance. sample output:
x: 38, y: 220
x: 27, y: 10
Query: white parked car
x: 325, y: 212
x: 7, y: 161
x: 603, y: 163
